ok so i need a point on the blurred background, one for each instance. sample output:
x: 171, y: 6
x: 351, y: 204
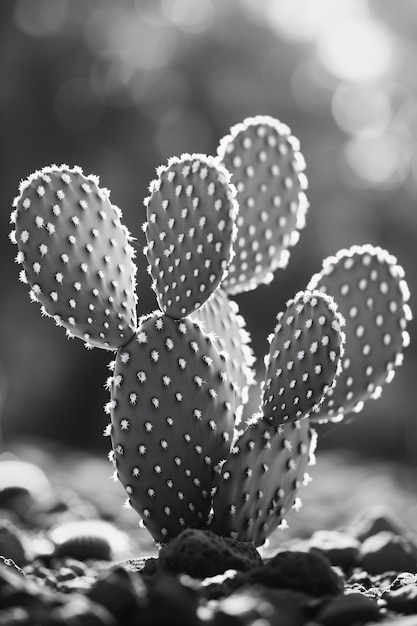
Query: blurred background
x: 119, y: 87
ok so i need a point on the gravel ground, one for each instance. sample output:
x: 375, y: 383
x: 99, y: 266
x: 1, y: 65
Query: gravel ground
x: 73, y: 555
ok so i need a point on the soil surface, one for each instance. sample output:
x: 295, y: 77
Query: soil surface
x: 71, y: 555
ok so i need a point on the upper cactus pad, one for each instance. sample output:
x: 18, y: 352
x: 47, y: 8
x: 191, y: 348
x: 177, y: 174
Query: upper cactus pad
x: 76, y: 255
x: 267, y: 169
x: 372, y: 295
x: 172, y: 422
x: 304, y: 358
x: 190, y: 228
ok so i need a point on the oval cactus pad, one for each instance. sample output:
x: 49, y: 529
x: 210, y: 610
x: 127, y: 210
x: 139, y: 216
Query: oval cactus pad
x: 220, y: 319
x: 304, y: 359
x: 267, y: 169
x: 172, y: 422
x: 372, y: 295
x: 259, y: 482
x: 190, y: 228
x: 76, y: 254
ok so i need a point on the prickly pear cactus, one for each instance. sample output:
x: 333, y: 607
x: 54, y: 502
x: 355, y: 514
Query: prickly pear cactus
x: 267, y: 169
x: 172, y: 422
x: 369, y: 287
x: 190, y: 229
x: 216, y: 226
x: 77, y: 256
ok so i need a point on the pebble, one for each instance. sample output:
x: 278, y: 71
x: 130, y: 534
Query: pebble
x: 387, y: 551
x: 374, y: 520
x: 341, y: 548
x: 147, y: 567
x: 202, y: 554
x: 11, y: 545
x: 80, y: 611
x: 88, y: 539
x: 171, y: 602
x: 23, y: 486
x: 257, y: 605
x: 349, y: 609
x: 403, y: 599
x: 310, y: 572
x: 120, y: 592
x: 404, y: 578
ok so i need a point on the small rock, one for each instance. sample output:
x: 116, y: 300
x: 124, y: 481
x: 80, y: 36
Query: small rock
x: 403, y: 579
x: 387, y: 551
x: 23, y: 486
x: 11, y: 545
x: 120, y: 592
x: 345, y: 610
x: 403, y: 599
x: 15, y: 616
x: 256, y: 605
x: 80, y: 611
x: 170, y: 603
x: 339, y: 547
x: 310, y: 572
x: 147, y: 567
x: 88, y: 539
x: 202, y: 554
x: 374, y: 520
x: 360, y: 577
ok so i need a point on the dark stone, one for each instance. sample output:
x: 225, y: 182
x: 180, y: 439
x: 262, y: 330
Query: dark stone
x: 11, y: 546
x: 310, y: 572
x: 80, y: 611
x: 256, y: 604
x: 345, y: 610
x: 403, y: 579
x: 339, y: 547
x: 147, y: 567
x: 202, y: 554
x: 403, y: 599
x: 120, y: 592
x: 374, y: 520
x: 170, y: 603
x: 387, y: 551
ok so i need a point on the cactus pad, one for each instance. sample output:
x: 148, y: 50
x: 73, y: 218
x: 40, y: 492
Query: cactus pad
x: 259, y: 481
x: 220, y: 319
x: 267, y: 169
x: 304, y: 359
x: 372, y: 295
x: 190, y: 228
x: 76, y: 254
x: 172, y: 422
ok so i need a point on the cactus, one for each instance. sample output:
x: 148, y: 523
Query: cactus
x: 76, y: 254
x: 189, y: 230
x: 182, y: 445
x: 372, y: 294
x: 267, y: 169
